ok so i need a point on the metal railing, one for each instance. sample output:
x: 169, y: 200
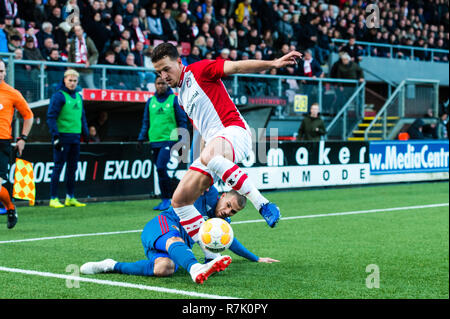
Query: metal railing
x: 349, y: 116
x: 411, y: 98
x: 299, y: 91
x: 393, y: 48
x: 38, y: 81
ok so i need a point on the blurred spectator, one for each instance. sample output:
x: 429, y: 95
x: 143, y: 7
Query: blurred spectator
x: 312, y: 127
x: 430, y: 130
x: 345, y: 68
x: 119, y: 6
x: 112, y: 76
x: 45, y: 33
x: 443, y: 124
x: 353, y: 50
x: 234, y: 55
x: 143, y: 21
x: 311, y: 36
x: 101, y: 124
x: 169, y: 26
x: 220, y: 39
x: 242, y: 39
x: 233, y: 40
x: 129, y: 80
x: 155, y: 25
x: 48, y: 46
x: 82, y: 50
x: 149, y: 76
x: 117, y: 27
x: 31, y: 52
x: 138, y: 54
x: 244, y: 10
x: 9, y: 27
x: 309, y: 66
x: 194, y: 56
x: 22, y: 76
x: 14, y: 43
x: 284, y: 29
x: 415, y: 130
x: 224, y: 54
x: 99, y: 33
x: 54, y: 73
x: 211, y: 46
x: 440, y: 56
x: 123, y: 52
x: 93, y: 137
x: 254, y: 37
x: 129, y: 14
x: 267, y: 16
x: 184, y: 28
x: 48, y: 7
x: 55, y: 17
x: 137, y: 33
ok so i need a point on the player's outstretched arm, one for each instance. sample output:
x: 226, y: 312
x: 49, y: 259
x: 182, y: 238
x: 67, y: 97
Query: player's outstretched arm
x: 267, y: 260
x: 255, y: 66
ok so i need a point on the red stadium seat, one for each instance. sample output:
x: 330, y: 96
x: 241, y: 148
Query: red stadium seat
x: 403, y: 136
x: 185, y: 48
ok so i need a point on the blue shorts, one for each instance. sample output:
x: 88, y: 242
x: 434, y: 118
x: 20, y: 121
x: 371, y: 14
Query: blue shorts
x: 159, y: 228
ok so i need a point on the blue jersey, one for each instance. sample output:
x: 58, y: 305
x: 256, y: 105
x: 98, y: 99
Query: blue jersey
x: 206, y: 205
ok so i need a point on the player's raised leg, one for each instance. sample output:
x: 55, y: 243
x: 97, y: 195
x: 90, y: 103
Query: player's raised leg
x: 191, y: 186
x: 218, y: 156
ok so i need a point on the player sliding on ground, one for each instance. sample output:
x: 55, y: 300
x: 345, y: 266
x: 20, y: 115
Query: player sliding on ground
x: 167, y: 245
x: 205, y: 100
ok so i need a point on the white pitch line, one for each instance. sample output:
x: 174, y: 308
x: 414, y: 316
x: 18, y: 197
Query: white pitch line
x: 379, y: 210
x: 115, y: 283
x: 70, y: 236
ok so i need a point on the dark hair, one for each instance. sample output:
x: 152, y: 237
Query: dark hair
x: 241, y: 199
x: 165, y: 50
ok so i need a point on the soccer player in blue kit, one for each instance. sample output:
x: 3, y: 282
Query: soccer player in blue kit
x: 167, y: 245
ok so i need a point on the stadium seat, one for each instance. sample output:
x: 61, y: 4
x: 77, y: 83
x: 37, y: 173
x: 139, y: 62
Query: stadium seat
x: 185, y: 48
x: 403, y: 136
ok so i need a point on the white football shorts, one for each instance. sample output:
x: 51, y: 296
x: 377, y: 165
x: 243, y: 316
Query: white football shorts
x: 240, y: 140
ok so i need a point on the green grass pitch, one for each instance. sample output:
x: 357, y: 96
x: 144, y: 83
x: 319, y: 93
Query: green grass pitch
x: 372, y: 252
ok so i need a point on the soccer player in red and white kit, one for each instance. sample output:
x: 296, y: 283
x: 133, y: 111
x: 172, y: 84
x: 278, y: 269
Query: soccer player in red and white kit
x: 204, y: 98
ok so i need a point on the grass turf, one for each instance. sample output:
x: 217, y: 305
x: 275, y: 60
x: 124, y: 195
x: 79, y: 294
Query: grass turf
x: 324, y: 257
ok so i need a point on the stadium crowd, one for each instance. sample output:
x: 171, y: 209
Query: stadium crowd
x: 233, y: 29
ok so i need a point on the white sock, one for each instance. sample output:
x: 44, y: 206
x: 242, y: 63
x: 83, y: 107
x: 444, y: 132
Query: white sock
x: 190, y: 219
x: 209, y: 254
x: 237, y: 179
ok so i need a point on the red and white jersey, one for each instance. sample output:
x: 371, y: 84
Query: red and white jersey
x: 205, y: 99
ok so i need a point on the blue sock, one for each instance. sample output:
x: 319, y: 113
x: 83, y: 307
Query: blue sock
x: 182, y: 255
x: 139, y: 268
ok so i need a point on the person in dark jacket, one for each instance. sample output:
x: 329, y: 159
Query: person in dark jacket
x: 312, y: 127
x: 415, y: 130
x: 345, y: 68
x: 162, y: 116
x: 66, y: 120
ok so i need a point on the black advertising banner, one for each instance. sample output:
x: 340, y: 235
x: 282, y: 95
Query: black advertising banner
x: 275, y: 165
x: 104, y: 170
x: 287, y: 153
x: 119, y: 171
